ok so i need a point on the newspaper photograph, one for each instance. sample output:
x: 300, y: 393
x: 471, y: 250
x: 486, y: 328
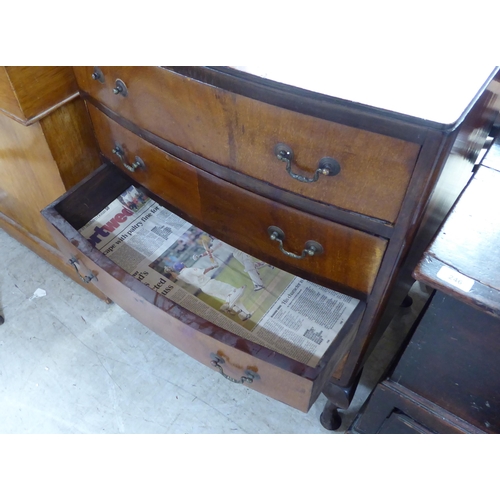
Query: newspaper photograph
x: 214, y: 280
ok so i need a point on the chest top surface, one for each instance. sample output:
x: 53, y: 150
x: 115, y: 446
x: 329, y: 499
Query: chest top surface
x: 438, y: 93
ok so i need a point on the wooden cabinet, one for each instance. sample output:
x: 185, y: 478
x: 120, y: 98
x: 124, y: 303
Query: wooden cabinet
x: 46, y: 147
x: 447, y: 380
x: 236, y: 154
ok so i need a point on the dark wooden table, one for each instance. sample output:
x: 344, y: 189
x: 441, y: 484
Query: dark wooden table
x: 447, y: 380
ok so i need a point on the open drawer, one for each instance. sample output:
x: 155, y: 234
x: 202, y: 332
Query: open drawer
x: 238, y: 359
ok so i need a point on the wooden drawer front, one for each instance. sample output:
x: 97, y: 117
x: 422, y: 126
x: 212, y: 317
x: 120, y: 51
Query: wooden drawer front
x: 389, y: 397
x: 351, y: 257
x: 399, y: 423
x: 171, y: 179
x: 161, y: 316
x: 242, y: 133
x: 278, y: 376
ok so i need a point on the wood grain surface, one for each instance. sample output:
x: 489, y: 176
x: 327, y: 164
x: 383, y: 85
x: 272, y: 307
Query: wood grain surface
x: 39, y: 162
x: 173, y: 180
x: 242, y: 218
x: 29, y: 176
x: 46, y: 146
x: 29, y: 92
x: 469, y: 245
x: 351, y: 258
x: 8, y: 100
x: 452, y: 360
x: 69, y: 135
x: 351, y: 219
x: 390, y: 398
x: 241, y: 133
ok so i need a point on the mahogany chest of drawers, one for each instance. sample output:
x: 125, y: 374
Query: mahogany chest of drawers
x: 238, y: 155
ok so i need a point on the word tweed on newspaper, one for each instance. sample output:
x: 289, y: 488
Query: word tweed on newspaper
x: 221, y: 284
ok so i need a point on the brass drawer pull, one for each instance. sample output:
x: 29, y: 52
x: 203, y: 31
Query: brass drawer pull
x: 249, y: 376
x: 311, y: 247
x: 97, y: 75
x: 86, y: 279
x: 327, y: 166
x: 118, y: 151
x: 120, y: 88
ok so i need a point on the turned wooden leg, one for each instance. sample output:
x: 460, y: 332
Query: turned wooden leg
x: 330, y: 418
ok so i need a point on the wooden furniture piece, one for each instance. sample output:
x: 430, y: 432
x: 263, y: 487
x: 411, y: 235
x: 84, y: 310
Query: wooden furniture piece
x: 46, y: 147
x: 235, y: 153
x: 448, y: 378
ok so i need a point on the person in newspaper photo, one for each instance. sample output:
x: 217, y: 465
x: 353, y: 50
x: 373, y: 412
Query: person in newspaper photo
x: 133, y: 199
x: 200, y: 278
x: 249, y: 265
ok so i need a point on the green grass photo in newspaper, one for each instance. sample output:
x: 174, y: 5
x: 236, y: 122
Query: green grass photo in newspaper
x: 257, y: 303
x: 190, y: 251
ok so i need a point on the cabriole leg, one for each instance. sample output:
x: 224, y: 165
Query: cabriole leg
x: 330, y: 418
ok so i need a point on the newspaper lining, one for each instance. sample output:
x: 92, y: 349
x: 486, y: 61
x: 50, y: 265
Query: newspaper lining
x: 217, y: 282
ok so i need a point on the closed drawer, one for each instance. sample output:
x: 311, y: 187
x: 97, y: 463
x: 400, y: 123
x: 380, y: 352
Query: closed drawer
x: 277, y: 376
x: 350, y: 258
x: 242, y: 133
x: 391, y: 405
x: 399, y: 423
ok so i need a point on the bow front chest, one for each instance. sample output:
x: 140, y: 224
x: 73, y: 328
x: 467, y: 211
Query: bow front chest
x: 342, y: 193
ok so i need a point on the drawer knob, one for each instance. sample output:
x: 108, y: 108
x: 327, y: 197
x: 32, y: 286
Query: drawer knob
x: 86, y: 279
x: 118, y: 151
x: 249, y: 376
x: 98, y: 75
x: 311, y: 248
x: 327, y: 166
x: 120, y: 88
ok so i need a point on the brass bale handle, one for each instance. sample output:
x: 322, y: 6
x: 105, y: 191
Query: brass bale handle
x: 327, y: 166
x: 249, y: 376
x: 311, y: 248
x: 86, y: 279
x: 118, y: 151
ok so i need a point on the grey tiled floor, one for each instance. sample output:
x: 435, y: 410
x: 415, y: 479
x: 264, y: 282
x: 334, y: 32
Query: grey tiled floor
x: 70, y: 363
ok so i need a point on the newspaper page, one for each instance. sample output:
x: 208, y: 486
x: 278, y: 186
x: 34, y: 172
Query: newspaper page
x: 223, y: 285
